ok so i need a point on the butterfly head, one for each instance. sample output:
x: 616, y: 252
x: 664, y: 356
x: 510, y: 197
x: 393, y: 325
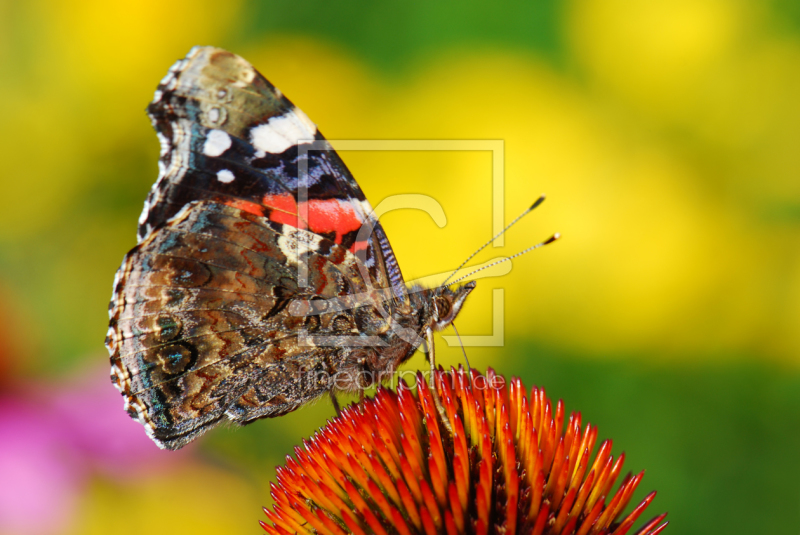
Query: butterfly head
x: 446, y: 303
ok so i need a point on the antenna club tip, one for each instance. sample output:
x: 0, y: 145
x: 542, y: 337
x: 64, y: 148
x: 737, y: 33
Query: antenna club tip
x: 552, y: 238
x: 537, y: 202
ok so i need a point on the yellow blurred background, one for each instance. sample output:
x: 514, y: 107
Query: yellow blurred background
x: 666, y: 135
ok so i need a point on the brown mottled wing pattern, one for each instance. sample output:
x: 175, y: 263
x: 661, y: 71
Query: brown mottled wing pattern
x: 200, y: 328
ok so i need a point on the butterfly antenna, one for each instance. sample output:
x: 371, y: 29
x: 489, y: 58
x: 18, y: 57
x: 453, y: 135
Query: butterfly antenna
x: 551, y: 239
x: 462, y: 345
x: 539, y: 201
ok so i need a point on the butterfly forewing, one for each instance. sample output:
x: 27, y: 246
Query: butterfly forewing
x: 228, y: 134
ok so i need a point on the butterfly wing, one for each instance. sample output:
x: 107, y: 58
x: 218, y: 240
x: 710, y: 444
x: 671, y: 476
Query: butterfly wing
x: 200, y: 328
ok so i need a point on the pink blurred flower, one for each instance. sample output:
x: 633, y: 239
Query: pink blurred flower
x: 39, y: 476
x: 56, y: 435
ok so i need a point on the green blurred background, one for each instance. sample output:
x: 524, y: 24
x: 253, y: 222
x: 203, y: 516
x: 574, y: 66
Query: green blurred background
x: 666, y: 134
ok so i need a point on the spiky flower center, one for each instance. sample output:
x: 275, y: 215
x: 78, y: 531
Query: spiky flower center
x: 390, y: 465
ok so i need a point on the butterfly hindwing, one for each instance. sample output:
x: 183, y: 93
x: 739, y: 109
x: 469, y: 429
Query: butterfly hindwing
x: 200, y: 325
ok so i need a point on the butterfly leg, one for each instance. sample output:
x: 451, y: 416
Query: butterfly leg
x: 335, y: 403
x: 432, y: 383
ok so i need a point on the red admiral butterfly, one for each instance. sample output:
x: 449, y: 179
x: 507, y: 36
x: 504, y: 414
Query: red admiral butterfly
x: 209, y: 318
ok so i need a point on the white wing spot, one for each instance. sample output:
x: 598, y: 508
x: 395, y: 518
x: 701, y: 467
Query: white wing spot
x: 295, y: 243
x: 225, y: 176
x: 216, y: 143
x: 280, y: 133
x: 165, y: 143
x: 145, y: 213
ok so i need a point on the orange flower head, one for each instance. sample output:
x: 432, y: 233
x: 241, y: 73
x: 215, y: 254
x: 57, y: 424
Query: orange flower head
x: 389, y: 465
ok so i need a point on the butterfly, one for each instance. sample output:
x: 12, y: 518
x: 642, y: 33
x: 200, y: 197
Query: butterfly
x: 262, y: 279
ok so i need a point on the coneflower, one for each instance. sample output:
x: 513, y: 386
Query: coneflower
x: 505, y: 464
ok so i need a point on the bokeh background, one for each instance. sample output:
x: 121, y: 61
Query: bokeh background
x: 666, y: 134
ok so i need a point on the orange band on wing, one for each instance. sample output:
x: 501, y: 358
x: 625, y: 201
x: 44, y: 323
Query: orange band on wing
x: 283, y: 209
x: 246, y: 206
x: 333, y: 215
x: 325, y: 216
